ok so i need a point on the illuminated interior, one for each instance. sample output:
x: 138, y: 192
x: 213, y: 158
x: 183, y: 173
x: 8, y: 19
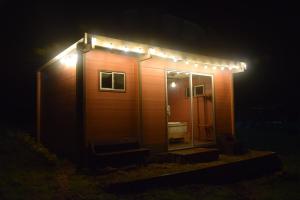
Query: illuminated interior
x: 189, y: 109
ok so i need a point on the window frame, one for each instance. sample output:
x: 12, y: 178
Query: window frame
x: 195, y: 89
x: 112, y: 89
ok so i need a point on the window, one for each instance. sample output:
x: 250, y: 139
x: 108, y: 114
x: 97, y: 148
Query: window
x: 198, y: 90
x: 112, y: 81
x: 187, y: 92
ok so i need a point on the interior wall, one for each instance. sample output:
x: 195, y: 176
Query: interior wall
x: 180, y: 104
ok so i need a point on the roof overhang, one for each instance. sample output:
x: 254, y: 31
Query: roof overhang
x: 175, y: 56
x: 62, y: 54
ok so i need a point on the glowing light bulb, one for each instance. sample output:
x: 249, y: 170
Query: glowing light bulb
x: 244, y: 65
x: 214, y: 68
x: 173, y: 84
x: 94, y: 40
x: 125, y: 48
x: 196, y: 65
x: 162, y: 55
x: 222, y: 68
x: 205, y: 66
x: 109, y: 45
x: 69, y: 60
x: 151, y: 50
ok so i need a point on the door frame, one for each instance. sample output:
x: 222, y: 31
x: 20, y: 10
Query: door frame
x: 191, y: 73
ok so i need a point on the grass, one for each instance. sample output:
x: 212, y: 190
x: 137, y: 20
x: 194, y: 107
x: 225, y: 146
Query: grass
x: 29, y: 171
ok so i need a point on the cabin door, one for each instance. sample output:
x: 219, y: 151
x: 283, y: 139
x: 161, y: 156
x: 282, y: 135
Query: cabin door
x: 189, y: 98
x: 202, y: 105
x: 179, y: 108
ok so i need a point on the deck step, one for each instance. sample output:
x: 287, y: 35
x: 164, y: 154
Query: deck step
x: 119, y: 158
x: 195, y: 155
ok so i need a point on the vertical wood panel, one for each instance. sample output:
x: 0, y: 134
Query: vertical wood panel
x: 58, y: 113
x: 38, y: 106
x: 223, y: 102
x: 154, y: 108
x: 111, y: 117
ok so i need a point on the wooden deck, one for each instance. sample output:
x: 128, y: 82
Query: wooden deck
x: 195, y: 155
x: 227, y: 169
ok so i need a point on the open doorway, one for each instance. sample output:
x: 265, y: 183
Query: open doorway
x: 179, y: 110
x: 189, y: 110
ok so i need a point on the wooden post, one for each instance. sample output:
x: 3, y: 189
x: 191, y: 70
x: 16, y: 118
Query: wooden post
x: 232, y: 105
x: 140, y: 97
x: 38, y: 106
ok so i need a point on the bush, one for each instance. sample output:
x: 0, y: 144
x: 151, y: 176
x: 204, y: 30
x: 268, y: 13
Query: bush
x: 38, y: 148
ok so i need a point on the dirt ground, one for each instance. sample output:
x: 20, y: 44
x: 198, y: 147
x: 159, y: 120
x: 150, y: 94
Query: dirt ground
x: 29, y: 171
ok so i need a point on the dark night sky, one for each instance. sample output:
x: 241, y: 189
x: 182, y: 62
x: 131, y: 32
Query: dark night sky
x: 264, y: 35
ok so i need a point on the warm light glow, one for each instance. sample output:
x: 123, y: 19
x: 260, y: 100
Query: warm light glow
x: 244, y: 65
x: 94, y: 40
x: 138, y: 50
x: 109, y: 45
x: 69, y: 60
x: 151, y: 50
x: 125, y: 48
x: 173, y: 55
x: 161, y: 54
x: 173, y: 84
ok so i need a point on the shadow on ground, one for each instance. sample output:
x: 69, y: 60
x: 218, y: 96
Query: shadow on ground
x: 26, y: 173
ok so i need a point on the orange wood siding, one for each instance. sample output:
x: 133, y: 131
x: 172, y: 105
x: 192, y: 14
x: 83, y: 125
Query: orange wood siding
x: 58, y: 130
x: 111, y: 117
x: 224, y: 115
x: 154, y: 108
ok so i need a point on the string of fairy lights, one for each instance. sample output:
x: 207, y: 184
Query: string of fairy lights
x: 176, y: 58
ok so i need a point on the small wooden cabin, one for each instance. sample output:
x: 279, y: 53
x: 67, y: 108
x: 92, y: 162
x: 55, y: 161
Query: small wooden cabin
x: 111, y: 92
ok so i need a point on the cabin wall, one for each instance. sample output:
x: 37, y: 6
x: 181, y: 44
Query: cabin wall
x: 57, y: 114
x: 224, y: 113
x: 154, y: 122
x: 110, y: 117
